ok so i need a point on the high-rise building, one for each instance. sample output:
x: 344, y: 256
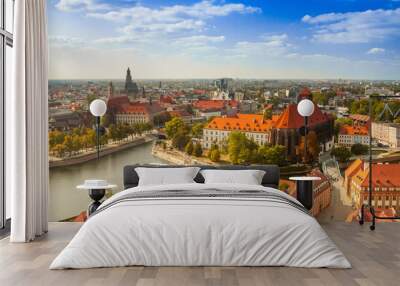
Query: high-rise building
x: 131, y: 88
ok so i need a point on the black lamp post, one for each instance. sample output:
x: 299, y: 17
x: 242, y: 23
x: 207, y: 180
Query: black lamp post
x: 98, y: 108
x: 305, y: 108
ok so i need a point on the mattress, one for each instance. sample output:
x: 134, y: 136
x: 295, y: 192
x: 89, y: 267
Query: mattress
x: 201, y: 225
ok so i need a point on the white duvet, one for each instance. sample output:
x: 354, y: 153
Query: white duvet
x: 200, y: 231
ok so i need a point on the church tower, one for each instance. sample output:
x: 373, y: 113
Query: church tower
x: 131, y: 88
x: 110, y: 90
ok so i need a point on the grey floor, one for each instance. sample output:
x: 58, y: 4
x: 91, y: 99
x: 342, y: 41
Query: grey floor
x: 375, y: 257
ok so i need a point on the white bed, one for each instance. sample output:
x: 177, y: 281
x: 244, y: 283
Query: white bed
x: 200, y: 231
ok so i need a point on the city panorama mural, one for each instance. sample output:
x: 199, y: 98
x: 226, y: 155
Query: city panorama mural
x: 219, y: 82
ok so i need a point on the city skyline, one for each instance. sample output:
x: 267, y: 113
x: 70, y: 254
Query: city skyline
x: 213, y: 39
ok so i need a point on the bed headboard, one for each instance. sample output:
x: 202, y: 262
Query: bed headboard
x: 270, y: 179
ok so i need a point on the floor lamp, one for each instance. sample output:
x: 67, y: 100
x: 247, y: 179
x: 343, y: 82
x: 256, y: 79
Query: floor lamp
x: 305, y: 108
x: 98, y: 108
x: 370, y: 166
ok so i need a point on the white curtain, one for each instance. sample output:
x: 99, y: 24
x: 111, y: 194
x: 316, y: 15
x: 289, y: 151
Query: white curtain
x: 27, y: 123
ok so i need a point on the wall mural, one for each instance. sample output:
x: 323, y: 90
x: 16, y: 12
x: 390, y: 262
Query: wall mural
x: 220, y: 82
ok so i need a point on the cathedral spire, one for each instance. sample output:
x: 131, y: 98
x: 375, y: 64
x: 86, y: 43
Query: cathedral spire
x: 110, y: 90
x: 131, y: 88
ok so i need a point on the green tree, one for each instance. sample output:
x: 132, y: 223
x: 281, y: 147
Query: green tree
x: 179, y: 140
x: 320, y: 98
x: 161, y: 119
x: 275, y: 155
x: 91, y: 137
x: 268, y: 114
x: 69, y: 144
x: 90, y: 98
x: 112, y: 132
x: 198, y: 150
x: 76, y: 143
x: 174, y: 126
x: 360, y: 107
x: 189, y: 148
x: 212, y: 148
x: 359, y: 149
x: 215, y: 155
x: 197, y: 130
x: 342, y: 153
x: 240, y: 148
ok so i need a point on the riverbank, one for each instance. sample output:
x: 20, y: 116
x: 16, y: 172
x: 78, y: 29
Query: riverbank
x: 176, y: 157
x: 107, y: 150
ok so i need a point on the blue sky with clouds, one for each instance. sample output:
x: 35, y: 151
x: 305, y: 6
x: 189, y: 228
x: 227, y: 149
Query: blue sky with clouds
x: 98, y: 39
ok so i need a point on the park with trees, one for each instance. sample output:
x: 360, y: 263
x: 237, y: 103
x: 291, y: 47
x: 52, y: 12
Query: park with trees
x: 64, y: 144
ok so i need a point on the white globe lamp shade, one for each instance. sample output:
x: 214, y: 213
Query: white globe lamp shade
x: 305, y: 107
x: 98, y: 107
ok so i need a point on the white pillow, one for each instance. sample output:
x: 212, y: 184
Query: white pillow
x: 248, y: 177
x: 166, y: 176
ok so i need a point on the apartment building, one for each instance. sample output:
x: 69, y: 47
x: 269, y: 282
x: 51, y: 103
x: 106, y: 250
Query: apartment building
x: 353, y: 134
x: 387, y: 134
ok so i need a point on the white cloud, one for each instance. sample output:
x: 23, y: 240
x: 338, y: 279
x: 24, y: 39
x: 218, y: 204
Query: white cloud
x: 355, y: 27
x: 203, y: 9
x: 65, y: 41
x: 180, y: 25
x: 77, y: 5
x: 199, y: 40
x: 168, y: 19
x: 271, y: 45
x: 375, y: 51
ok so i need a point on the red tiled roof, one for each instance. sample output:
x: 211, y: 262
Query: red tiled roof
x: 179, y: 113
x: 117, y: 101
x: 359, y: 117
x: 318, y: 173
x: 199, y: 91
x: 166, y: 99
x: 291, y: 119
x: 383, y: 175
x: 139, y: 107
x: 241, y: 122
x: 214, y: 104
x: 353, y: 130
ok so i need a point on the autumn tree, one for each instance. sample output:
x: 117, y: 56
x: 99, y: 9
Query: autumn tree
x: 313, y: 148
x: 56, y: 137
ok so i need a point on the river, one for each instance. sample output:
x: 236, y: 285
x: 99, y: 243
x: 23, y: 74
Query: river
x: 66, y: 201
